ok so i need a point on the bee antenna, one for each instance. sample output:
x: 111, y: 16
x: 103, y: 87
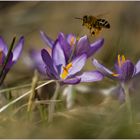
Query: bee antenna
x: 78, y: 18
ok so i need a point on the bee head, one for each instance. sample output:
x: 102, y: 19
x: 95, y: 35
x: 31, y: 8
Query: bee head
x: 85, y: 18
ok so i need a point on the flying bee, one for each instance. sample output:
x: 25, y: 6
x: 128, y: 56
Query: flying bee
x: 94, y: 24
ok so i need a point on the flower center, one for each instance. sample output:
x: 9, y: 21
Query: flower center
x: 66, y: 71
x: 121, y: 60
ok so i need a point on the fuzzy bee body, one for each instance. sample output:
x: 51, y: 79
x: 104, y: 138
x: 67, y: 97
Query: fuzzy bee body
x: 94, y: 24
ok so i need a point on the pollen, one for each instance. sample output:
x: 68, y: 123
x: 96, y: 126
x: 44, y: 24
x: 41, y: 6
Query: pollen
x: 121, y: 60
x: 72, y: 41
x: 66, y: 71
x: 115, y: 74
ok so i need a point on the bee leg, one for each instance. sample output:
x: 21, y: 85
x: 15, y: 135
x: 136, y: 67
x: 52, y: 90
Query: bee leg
x: 90, y: 29
x: 93, y: 33
x: 97, y: 31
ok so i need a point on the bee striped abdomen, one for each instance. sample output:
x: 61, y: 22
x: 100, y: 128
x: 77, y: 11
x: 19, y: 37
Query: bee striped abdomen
x: 103, y: 23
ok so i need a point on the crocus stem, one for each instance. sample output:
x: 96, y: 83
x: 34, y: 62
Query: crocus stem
x: 128, y: 102
x: 51, y: 107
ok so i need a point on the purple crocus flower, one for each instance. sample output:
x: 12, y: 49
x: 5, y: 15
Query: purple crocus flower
x: 13, y: 57
x: 125, y: 71
x: 57, y: 67
x: 72, y: 47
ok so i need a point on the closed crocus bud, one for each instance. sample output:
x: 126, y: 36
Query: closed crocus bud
x: 9, y: 57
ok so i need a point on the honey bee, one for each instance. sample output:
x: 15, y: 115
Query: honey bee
x: 94, y: 24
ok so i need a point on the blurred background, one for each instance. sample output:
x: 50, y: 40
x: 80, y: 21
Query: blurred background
x: 29, y: 18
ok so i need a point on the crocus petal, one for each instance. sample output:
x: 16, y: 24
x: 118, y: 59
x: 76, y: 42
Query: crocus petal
x: 49, y: 63
x: 38, y: 62
x: 77, y: 64
x: 127, y: 70
x: 118, y: 69
x: 9, y: 62
x: 3, y: 46
x: 2, y: 57
x: 71, y: 39
x: 101, y: 68
x: 82, y: 45
x: 71, y: 81
x: 91, y: 76
x: 65, y: 45
x: 58, y: 55
x: 137, y: 66
x: 18, y: 49
x: 46, y: 39
x: 94, y: 47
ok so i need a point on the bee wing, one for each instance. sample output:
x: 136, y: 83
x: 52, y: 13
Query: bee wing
x: 102, y: 15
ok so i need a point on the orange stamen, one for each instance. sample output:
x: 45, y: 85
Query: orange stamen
x: 65, y: 71
x: 72, y: 41
x: 121, y: 60
x: 115, y: 74
x: 69, y: 66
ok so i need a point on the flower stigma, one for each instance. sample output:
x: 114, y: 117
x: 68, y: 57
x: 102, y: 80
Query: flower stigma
x: 66, y: 71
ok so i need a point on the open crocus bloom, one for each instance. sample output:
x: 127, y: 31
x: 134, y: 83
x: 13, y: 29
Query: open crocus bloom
x: 14, y: 55
x: 125, y: 69
x: 72, y: 46
x: 57, y: 67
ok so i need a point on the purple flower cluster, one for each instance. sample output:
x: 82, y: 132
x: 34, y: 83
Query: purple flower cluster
x: 67, y: 59
x: 68, y: 56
